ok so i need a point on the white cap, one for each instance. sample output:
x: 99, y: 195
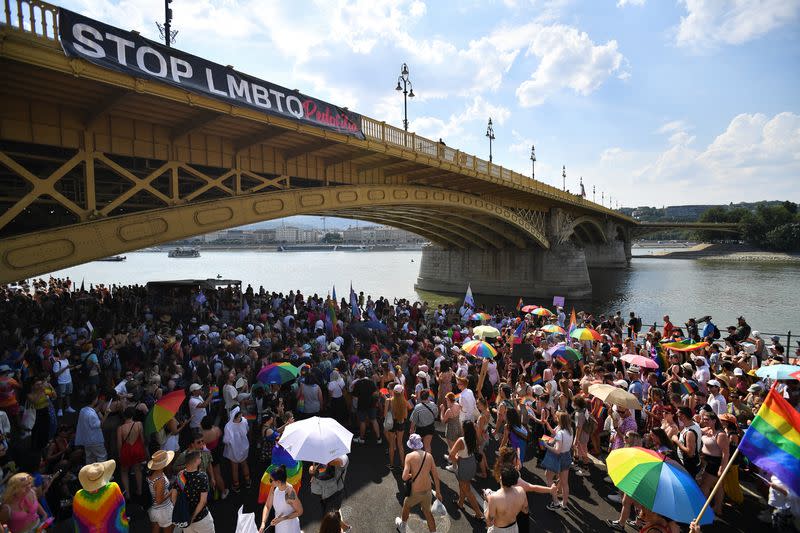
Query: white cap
x: 195, y: 386
x: 738, y: 372
x: 713, y: 383
x: 621, y: 383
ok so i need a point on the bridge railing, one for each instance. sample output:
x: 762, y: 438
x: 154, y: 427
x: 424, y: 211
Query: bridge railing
x: 32, y: 16
x: 40, y: 20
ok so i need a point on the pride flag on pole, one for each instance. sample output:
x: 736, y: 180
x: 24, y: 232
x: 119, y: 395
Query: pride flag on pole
x: 519, y: 304
x: 468, y: 299
x: 354, y: 309
x: 518, y: 332
x: 573, y: 321
x: 772, y: 442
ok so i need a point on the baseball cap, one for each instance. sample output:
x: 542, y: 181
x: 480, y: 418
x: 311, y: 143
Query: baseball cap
x: 738, y: 372
x: 195, y: 386
x: 713, y: 383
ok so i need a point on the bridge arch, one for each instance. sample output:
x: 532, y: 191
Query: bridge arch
x: 587, y: 230
x: 449, y: 218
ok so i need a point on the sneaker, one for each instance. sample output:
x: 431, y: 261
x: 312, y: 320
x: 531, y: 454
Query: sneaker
x: 71, y: 410
x: 447, y: 458
x: 554, y: 506
x: 225, y: 494
x: 615, y: 525
x: 358, y: 440
x: 450, y: 468
x: 399, y: 525
x: 60, y: 413
x: 380, y: 441
x: 617, y: 498
x: 633, y: 523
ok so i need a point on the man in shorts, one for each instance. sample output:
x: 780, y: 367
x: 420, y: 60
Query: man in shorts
x: 365, y: 391
x: 419, y: 468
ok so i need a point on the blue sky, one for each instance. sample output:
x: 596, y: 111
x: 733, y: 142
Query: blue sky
x: 653, y: 102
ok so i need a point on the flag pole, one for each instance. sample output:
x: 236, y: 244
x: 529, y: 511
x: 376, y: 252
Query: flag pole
x: 718, y: 484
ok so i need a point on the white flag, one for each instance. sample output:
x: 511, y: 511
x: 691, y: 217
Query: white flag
x: 468, y: 300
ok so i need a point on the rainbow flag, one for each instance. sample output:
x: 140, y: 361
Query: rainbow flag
x: 772, y: 442
x: 103, y: 510
x: 519, y: 304
x: 294, y: 472
x: 573, y: 321
x: 537, y: 380
x: 683, y: 346
x: 330, y: 317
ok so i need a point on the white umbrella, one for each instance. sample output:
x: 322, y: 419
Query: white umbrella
x: 319, y: 440
x: 614, y: 396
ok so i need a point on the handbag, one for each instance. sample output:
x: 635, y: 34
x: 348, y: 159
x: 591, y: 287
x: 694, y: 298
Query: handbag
x: 388, y: 422
x: 413, y: 479
x: 28, y: 417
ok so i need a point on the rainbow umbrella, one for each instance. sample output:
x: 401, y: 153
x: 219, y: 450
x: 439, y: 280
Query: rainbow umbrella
x: 278, y: 373
x: 163, y: 411
x: 480, y: 317
x: 585, y: 334
x: 294, y: 472
x: 542, y: 311
x: 479, y: 349
x: 639, y: 360
x: 553, y: 328
x: 529, y: 308
x: 564, y: 352
x: 689, y: 386
x: 657, y: 483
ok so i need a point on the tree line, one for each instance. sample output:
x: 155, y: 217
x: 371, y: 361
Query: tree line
x: 769, y: 226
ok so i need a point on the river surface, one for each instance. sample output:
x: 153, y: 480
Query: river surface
x: 768, y: 295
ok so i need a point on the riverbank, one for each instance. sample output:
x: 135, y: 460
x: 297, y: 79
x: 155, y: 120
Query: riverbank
x: 727, y: 252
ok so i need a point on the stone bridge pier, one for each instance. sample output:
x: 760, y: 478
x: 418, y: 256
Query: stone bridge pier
x: 576, y: 244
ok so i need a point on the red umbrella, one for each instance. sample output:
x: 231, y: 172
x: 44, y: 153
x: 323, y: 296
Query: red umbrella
x: 639, y: 360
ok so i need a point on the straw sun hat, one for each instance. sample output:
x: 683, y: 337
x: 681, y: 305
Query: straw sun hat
x: 95, y: 476
x: 160, y: 460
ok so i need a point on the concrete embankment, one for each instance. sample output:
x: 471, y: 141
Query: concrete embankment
x: 727, y: 252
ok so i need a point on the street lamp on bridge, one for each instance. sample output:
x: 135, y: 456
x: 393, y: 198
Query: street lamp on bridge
x: 533, y: 162
x: 490, y: 134
x: 564, y: 177
x: 408, y: 92
x: 594, y: 198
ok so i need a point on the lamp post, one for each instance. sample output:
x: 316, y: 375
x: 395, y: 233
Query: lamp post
x: 490, y: 134
x: 594, y: 198
x: 533, y: 162
x: 602, y: 198
x: 564, y: 177
x: 408, y: 92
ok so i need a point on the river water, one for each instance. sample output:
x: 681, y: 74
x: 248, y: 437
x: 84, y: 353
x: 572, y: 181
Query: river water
x: 768, y: 295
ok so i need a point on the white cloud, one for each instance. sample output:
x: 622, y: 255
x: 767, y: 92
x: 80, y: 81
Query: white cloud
x: 568, y: 59
x: 623, y: 3
x: 454, y: 129
x: 673, y: 126
x: 717, y: 22
x: 754, y: 150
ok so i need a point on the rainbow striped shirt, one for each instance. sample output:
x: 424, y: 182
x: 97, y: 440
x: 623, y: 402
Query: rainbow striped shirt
x: 100, y: 512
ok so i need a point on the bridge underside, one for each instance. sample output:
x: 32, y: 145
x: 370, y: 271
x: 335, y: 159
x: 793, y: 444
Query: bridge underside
x: 95, y: 163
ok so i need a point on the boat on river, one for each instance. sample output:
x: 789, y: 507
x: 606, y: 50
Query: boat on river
x: 184, y: 253
x: 113, y: 258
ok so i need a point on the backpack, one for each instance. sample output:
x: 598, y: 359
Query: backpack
x: 716, y: 333
x: 637, y: 324
x: 180, y: 512
x: 590, y: 425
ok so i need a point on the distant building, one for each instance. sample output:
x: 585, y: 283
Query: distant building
x: 379, y: 235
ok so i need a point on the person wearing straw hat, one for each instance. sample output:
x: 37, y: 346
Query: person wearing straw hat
x: 99, y: 506
x: 160, y: 512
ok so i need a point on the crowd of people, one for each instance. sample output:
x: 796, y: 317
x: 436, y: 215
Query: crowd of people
x: 81, y: 369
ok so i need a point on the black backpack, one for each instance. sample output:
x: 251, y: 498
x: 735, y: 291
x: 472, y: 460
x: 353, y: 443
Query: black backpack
x: 180, y: 512
x: 716, y: 333
x: 637, y: 324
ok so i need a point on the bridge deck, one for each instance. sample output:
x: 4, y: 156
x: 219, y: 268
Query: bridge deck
x: 50, y: 99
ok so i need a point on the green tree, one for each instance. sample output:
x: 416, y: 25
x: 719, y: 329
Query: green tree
x: 332, y: 238
x: 785, y: 238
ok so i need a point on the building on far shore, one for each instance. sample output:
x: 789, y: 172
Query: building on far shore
x: 379, y: 235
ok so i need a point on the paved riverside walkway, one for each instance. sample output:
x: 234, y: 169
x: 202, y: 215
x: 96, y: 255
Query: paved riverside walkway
x: 373, y: 501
